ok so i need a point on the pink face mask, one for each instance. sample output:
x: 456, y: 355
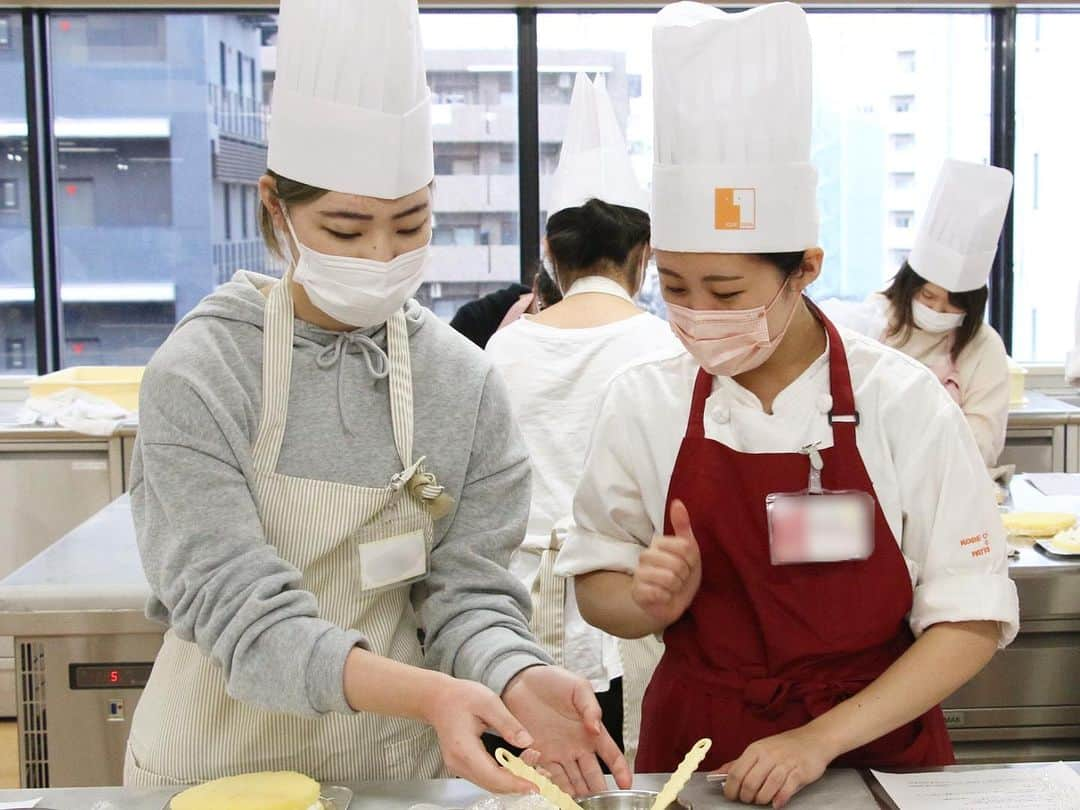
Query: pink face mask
x: 727, y: 343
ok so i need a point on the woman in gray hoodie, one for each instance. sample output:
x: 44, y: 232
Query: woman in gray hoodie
x: 328, y: 483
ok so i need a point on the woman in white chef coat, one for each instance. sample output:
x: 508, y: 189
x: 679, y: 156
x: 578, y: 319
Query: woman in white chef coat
x: 799, y: 511
x: 935, y: 308
x: 324, y: 470
x: 557, y: 365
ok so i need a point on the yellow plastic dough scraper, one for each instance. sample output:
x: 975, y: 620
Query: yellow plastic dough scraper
x: 681, y: 778
x: 548, y: 789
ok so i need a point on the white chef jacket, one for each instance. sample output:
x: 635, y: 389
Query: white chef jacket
x: 556, y: 378
x: 921, y: 458
x: 981, y: 370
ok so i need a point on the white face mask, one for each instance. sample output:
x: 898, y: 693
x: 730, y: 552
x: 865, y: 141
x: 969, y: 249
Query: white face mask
x: 930, y: 320
x: 359, y: 292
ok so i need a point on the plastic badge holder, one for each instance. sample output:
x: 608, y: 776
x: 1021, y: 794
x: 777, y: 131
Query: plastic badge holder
x: 819, y: 525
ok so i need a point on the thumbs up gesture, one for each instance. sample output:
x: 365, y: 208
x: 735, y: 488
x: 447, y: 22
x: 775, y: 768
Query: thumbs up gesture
x: 669, y: 572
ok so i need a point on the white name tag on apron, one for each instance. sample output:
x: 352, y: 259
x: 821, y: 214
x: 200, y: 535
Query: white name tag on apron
x: 820, y: 528
x: 395, y: 561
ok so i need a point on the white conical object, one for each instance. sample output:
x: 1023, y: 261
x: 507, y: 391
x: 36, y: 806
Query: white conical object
x: 594, y: 162
x: 732, y: 111
x: 351, y: 109
x: 958, y: 237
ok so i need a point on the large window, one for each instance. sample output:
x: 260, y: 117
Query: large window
x: 156, y: 150
x: 17, y: 332
x: 1047, y: 177
x: 894, y: 95
x: 472, y: 71
x: 159, y: 134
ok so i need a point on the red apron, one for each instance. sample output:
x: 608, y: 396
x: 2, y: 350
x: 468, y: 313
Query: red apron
x: 764, y: 649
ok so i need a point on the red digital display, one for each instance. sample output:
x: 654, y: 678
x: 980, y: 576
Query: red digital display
x: 109, y: 676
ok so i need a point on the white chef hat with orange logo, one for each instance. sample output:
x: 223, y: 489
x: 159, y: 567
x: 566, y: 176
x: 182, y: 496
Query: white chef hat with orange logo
x: 732, y: 171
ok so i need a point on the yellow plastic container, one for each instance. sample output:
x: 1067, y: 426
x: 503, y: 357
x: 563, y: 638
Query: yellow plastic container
x: 117, y: 383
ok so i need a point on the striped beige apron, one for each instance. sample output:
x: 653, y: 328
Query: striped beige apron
x: 187, y: 729
x: 639, y: 656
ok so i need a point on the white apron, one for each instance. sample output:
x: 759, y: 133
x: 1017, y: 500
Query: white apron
x: 186, y: 728
x: 639, y: 656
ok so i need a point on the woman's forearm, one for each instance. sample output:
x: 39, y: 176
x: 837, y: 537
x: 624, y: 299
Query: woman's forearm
x: 384, y: 686
x: 945, y: 658
x: 605, y: 602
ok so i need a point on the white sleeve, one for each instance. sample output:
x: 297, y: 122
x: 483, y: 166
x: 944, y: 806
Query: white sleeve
x: 611, y: 523
x: 952, y: 528
x: 986, y: 400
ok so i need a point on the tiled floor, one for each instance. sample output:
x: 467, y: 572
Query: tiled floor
x: 9, y: 754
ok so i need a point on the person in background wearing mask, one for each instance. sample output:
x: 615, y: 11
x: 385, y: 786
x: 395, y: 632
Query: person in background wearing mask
x: 557, y: 364
x: 935, y: 308
x: 324, y: 469
x: 800, y: 511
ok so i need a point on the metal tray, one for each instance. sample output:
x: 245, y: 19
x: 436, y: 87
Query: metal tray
x: 1047, y: 547
x: 332, y: 798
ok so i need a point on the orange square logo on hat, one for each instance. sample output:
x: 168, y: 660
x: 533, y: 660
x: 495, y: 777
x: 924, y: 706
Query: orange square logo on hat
x: 736, y: 209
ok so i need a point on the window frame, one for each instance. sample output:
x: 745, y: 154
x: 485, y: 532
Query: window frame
x: 1002, y: 23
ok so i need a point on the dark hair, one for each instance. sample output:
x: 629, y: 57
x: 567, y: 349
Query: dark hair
x: 901, y: 293
x: 787, y: 263
x: 545, y: 289
x: 597, y: 237
x: 289, y: 192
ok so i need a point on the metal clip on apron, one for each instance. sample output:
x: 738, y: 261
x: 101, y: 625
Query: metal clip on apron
x: 187, y: 728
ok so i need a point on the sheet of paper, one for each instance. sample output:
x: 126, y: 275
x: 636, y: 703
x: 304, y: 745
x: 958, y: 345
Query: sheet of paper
x: 1051, y: 787
x: 21, y: 805
x: 1055, y: 484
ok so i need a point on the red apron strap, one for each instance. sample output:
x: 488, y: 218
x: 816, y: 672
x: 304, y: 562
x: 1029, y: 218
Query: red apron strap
x: 695, y: 428
x: 843, y: 418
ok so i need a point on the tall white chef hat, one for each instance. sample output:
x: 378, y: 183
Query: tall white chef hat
x: 351, y: 107
x: 732, y: 167
x: 594, y: 161
x: 958, y: 237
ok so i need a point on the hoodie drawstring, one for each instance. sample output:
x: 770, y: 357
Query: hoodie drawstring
x: 378, y: 364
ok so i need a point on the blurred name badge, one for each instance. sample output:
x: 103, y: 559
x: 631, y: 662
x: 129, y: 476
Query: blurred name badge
x: 820, y: 528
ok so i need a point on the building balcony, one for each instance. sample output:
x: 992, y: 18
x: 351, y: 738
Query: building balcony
x: 483, y: 193
x: 482, y: 123
x: 238, y: 116
x: 249, y: 254
x: 475, y: 263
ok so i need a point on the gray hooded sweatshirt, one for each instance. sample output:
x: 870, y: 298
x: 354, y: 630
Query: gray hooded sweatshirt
x: 217, y: 582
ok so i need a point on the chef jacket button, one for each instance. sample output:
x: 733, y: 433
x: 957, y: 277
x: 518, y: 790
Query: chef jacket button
x: 824, y: 403
x: 721, y: 414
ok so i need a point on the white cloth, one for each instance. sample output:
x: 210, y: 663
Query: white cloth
x: 1072, y: 363
x: 926, y: 471
x: 958, y: 236
x: 594, y: 161
x: 556, y: 378
x: 732, y: 118
x: 351, y: 106
x: 77, y: 411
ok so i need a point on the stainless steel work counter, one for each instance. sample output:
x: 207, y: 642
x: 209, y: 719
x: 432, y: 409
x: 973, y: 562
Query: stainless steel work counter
x: 838, y: 790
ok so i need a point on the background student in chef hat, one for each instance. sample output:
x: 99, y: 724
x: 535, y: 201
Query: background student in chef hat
x: 935, y: 308
x: 802, y: 512
x: 324, y: 469
x: 557, y: 365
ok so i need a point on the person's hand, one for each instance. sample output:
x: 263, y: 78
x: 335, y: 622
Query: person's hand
x: 774, y: 769
x: 560, y: 711
x: 460, y: 712
x: 668, y: 575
